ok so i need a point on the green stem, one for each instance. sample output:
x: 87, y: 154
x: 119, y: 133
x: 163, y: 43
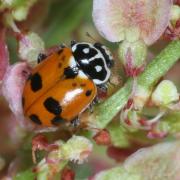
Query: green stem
x: 105, y: 111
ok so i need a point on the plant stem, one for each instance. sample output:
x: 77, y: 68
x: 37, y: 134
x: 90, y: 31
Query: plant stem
x: 104, y: 112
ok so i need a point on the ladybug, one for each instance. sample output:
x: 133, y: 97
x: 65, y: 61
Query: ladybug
x: 65, y: 83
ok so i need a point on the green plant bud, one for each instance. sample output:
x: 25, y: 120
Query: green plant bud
x: 175, y: 13
x: 30, y: 46
x: 20, y: 13
x: 165, y: 93
x: 140, y: 97
x: 133, y: 56
x: 76, y: 149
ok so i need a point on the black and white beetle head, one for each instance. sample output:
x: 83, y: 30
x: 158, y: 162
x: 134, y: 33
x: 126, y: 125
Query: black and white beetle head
x: 95, y: 60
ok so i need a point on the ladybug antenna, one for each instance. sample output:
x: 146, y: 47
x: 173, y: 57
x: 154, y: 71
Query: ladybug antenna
x: 88, y: 35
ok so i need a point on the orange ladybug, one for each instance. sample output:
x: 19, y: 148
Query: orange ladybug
x: 65, y: 83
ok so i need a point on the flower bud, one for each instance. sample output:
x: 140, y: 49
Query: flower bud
x: 76, y: 149
x: 13, y: 85
x: 175, y: 14
x: 7, y: 3
x: 133, y: 56
x: 132, y: 34
x: 165, y: 93
x: 30, y: 46
x: 140, y: 97
x: 20, y: 13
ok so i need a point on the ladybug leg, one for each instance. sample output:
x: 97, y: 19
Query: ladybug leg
x: 75, y: 122
x: 71, y: 72
x: 41, y: 57
x: 90, y: 107
x: 103, y: 87
x: 110, y: 64
x: 95, y: 101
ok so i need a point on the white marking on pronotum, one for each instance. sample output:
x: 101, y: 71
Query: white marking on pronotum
x: 98, y: 68
x: 85, y: 61
x: 86, y: 50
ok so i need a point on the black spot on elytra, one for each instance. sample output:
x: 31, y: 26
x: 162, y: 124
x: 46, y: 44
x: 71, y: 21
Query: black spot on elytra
x: 70, y: 72
x: 53, y: 106
x: 60, y: 51
x: 23, y: 101
x: 35, y: 119
x: 88, y: 92
x: 36, y: 82
x: 57, y: 120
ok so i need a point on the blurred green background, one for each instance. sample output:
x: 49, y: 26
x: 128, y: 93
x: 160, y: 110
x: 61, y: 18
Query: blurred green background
x: 59, y: 21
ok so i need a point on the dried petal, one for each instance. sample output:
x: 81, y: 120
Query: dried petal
x: 119, y: 154
x: 67, y: 174
x: 13, y: 85
x: 103, y: 138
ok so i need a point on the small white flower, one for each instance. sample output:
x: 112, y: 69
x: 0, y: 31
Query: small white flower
x: 76, y: 149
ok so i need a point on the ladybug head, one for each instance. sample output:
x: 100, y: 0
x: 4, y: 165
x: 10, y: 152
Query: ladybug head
x: 95, y: 60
